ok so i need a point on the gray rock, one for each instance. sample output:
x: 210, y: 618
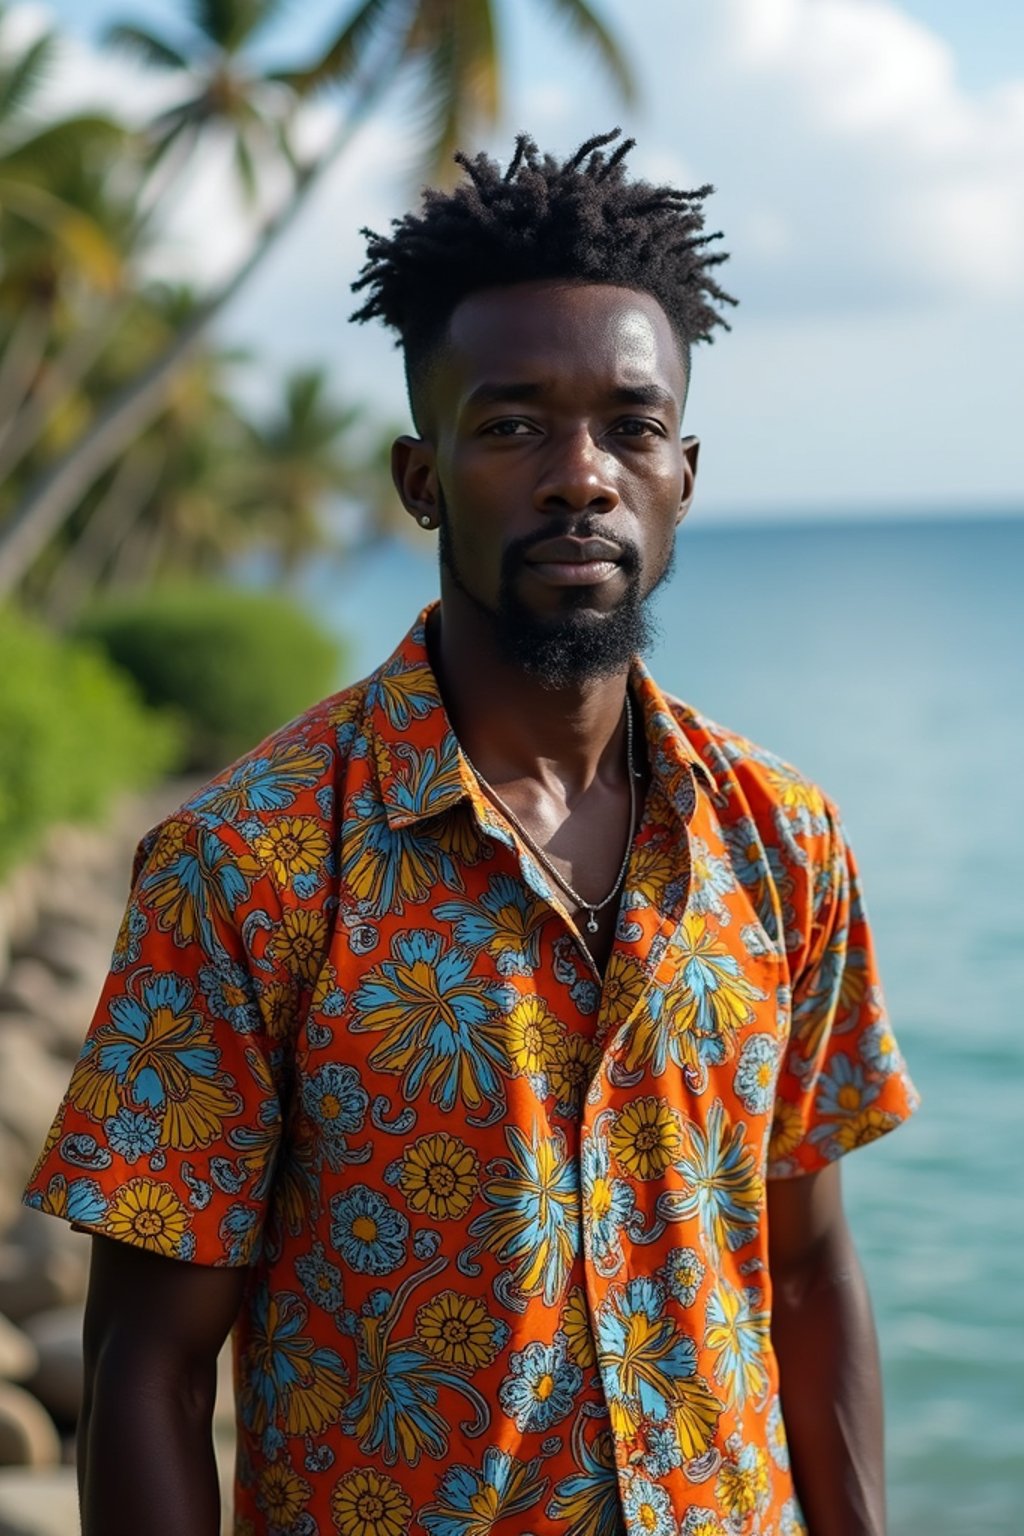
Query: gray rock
x: 28, y: 1436
x: 70, y: 955
x: 61, y: 1014
x: 37, y: 1282
x: 38, y: 1501
x: 32, y: 1085
x: 57, y: 1381
x: 18, y: 1356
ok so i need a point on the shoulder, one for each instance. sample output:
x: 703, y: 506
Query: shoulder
x: 293, y: 777
x: 782, y: 831
x: 752, y: 778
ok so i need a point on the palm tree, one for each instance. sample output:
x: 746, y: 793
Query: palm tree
x: 452, y: 49
x: 55, y: 240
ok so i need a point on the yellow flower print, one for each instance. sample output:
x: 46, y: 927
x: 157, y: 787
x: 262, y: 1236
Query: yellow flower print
x: 861, y: 1129
x: 795, y: 794
x: 625, y: 981
x: 577, y: 1328
x: 169, y: 844
x: 292, y: 845
x: 787, y: 1131
x: 695, y: 1414
x: 281, y: 1493
x: 277, y: 1005
x: 534, y: 1035
x: 458, y: 1330
x: 651, y: 869
x: 570, y: 1070
x: 299, y: 943
x: 646, y: 1136
x: 369, y: 1503
x: 440, y: 1175
x: 149, y: 1215
x: 326, y: 983
x: 742, y: 1484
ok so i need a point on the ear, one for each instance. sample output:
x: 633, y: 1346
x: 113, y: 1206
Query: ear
x: 414, y: 471
x: 691, y: 452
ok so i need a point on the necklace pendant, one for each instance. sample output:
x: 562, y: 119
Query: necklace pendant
x: 592, y: 923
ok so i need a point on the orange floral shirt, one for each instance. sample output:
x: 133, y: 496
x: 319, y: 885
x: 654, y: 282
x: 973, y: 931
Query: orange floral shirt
x: 505, y: 1220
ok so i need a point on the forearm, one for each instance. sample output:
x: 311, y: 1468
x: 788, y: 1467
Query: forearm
x: 824, y: 1337
x: 147, y: 1462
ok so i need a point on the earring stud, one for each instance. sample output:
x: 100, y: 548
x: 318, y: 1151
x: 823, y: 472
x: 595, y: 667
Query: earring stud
x: 425, y: 521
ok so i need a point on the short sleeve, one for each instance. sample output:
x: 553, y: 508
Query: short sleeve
x: 843, y: 1082
x: 168, y: 1133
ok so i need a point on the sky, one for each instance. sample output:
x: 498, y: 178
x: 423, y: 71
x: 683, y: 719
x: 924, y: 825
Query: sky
x: 868, y: 157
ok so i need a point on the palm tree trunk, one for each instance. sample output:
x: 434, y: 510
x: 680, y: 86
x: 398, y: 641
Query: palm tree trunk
x: 51, y: 499
x: 22, y: 356
x: 78, y: 574
x: 62, y: 375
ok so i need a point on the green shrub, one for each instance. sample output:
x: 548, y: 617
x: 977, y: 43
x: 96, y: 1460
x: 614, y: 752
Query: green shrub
x: 234, y: 664
x: 73, y: 731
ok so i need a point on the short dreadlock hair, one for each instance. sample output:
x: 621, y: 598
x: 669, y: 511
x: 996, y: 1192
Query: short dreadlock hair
x: 580, y: 220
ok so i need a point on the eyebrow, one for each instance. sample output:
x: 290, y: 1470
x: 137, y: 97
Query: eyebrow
x: 499, y: 393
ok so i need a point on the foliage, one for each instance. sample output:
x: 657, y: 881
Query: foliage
x: 73, y: 732
x: 234, y: 665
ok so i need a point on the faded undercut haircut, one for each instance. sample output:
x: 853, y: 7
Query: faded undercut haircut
x: 580, y: 220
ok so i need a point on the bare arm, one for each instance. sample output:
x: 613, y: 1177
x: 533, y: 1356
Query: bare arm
x: 153, y: 1330
x: 824, y: 1337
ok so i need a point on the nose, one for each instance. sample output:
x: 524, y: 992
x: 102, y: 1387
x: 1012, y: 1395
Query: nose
x: 577, y: 477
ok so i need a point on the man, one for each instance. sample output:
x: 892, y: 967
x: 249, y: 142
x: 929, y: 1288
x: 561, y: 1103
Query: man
x: 482, y: 1046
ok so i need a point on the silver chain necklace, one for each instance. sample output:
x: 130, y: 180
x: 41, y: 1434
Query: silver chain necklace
x: 592, y: 908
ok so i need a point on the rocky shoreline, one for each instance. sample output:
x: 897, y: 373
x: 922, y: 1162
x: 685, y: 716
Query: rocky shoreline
x: 59, y: 917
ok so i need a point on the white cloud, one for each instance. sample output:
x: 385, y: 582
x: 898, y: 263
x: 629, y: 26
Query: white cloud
x: 845, y: 123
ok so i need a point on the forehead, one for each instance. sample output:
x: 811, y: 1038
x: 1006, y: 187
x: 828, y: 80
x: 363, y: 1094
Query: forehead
x: 552, y: 333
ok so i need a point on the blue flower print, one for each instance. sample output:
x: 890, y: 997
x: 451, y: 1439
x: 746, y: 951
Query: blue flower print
x: 506, y: 921
x: 132, y: 1134
x: 238, y: 1232
x: 128, y: 947
x: 756, y: 1070
x: 471, y: 1501
x: 642, y: 1353
x: 683, y: 1273
x: 81, y: 1200
x: 879, y: 1050
x: 229, y: 993
x: 647, y: 1509
x: 369, y: 1234
x: 439, y: 1025
x: 843, y: 1091
x: 321, y: 1280
x: 541, y: 1385
x: 608, y: 1203
x: 336, y: 1101
x: 664, y: 1452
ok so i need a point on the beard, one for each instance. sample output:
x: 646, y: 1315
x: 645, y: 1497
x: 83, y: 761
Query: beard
x: 575, y: 646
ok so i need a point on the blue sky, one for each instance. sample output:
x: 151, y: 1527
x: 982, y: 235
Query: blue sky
x: 868, y: 156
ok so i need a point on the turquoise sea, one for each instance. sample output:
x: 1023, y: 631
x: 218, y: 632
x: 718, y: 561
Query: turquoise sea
x: 887, y: 661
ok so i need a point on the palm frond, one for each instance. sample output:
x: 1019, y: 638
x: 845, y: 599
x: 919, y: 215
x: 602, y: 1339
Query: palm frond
x: 144, y: 46
x: 20, y: 79
x: 82, y: 237
x: 245, y: 168
x: 230, y: 24
x: 348, y: 50
x: 51, y: 150
x: 584, y: 24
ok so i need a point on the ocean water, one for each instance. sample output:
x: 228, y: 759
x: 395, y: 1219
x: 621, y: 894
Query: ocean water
x: 887, y: 661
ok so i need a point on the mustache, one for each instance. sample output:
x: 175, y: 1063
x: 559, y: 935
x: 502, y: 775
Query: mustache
x: 517, y: 552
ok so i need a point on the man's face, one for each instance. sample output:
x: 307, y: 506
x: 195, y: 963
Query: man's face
x: 553, y: 461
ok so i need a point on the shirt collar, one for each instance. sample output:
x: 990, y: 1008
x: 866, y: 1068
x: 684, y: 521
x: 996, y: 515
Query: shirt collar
x: 407, y: 720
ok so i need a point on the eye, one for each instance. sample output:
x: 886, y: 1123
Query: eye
x: 639, y: 426
x: 509, y: 426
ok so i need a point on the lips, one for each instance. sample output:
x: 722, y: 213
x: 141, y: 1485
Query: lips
x: 569, y: 562
x: 569, y: 551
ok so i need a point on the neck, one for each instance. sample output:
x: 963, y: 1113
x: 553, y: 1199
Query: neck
x: 512, y: 726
